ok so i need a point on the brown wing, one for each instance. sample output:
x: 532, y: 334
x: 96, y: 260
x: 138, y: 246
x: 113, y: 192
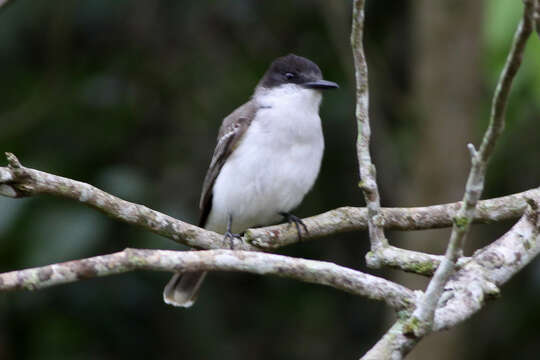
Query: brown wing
x: 231, y: 131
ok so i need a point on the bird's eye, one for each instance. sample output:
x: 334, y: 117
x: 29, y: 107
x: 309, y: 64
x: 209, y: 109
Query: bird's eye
x: 289, y: 75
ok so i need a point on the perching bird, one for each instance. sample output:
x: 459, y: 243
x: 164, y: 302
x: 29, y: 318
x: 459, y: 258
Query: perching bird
x: 267, y: 157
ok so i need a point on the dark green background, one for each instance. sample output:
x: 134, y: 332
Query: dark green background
x: 128, y: 96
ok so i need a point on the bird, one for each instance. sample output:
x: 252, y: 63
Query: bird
x: 267, y: 158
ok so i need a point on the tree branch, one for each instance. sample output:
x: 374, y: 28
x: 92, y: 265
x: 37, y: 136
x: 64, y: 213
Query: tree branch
x: 347, y: 219
x: 477, y: 281
x: 394, y: 345
x: 453, y: 295
x: 19, y: 181
x: 368, y: 176
x: 489, y: 269
x: 311, y: 271
x: 422, y: 318
x: 407, y: 260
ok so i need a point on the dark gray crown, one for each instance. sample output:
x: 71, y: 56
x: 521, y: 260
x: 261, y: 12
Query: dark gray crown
x: 290, y: 69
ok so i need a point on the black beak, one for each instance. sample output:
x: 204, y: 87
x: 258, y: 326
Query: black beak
x: 321, y: 84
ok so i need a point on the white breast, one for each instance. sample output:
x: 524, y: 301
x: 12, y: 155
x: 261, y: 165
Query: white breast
x: 275, y: 164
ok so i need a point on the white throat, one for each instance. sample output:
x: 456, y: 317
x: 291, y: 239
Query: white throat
x: 302, y: 99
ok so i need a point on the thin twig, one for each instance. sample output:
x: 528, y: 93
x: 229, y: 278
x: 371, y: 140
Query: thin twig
x: 317, y: 272
x: 422, y: 317
x: 368, y: 182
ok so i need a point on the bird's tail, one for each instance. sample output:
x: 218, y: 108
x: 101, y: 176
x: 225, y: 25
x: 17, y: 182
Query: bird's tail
x: 183, y: 288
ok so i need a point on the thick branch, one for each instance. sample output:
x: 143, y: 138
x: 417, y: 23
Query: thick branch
x: 316, y: 272
x: 367, y: 169
x: 477, y: 281
x: 17, y: 180
x: 394, y: 345
x: 407, y: 260
x: 425, y: 311
x: 489, y: 269
x: 347, y: 219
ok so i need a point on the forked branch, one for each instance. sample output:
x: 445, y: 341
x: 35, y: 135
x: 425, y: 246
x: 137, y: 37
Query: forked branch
x: 17, y: 181
x: 425, y: 311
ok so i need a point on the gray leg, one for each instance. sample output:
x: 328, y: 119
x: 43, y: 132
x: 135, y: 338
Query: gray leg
x: 229, y: 234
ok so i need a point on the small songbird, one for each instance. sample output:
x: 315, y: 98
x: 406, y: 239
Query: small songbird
x: 267, y: 158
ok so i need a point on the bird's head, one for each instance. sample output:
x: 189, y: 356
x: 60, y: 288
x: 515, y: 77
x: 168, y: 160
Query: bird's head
x: 294, y: 69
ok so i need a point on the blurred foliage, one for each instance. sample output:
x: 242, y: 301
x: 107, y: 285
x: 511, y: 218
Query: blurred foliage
x: 128, y: 96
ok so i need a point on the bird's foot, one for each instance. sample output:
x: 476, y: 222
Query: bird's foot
x: 293, y: 219
x: 231, y: 236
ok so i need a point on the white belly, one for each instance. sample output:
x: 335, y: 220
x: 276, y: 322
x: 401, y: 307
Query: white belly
x: 275, y: 165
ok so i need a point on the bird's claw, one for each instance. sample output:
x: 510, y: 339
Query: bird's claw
x: 231, y: 236
x: 293, y: 219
